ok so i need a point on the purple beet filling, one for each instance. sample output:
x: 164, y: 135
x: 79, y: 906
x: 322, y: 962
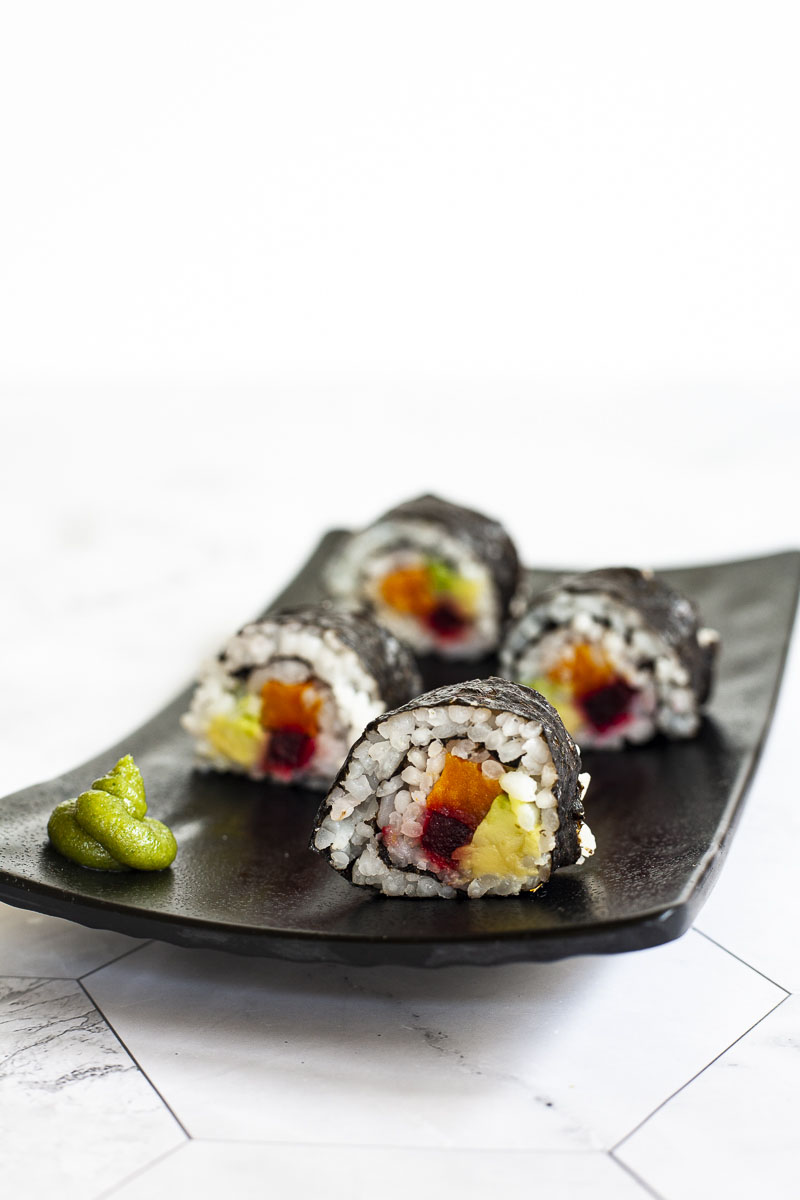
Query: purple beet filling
x: 443, y: 835
x: 447, y: 620
x: 608, y: 706
x: 289, y: 749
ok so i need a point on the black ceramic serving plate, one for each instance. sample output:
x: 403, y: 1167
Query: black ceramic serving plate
x: 245, y: 880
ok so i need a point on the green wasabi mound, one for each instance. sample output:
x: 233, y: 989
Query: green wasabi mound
x: 70, y: 840
x: 125, y: 782
x: 106, y: 829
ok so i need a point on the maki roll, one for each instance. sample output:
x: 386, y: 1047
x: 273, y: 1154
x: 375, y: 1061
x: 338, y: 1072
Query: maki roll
x: 439, y: 576
x: 475, y: 788
x: 290, y: 692
x: 619, y: 653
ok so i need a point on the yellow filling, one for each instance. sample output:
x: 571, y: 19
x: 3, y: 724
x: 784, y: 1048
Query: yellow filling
x: 561, y: 699
x: 499, y: 844
x: 238, y: 735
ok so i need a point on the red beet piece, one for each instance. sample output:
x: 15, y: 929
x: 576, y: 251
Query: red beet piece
x: 447, y: 620
x: 289, y: 749
x: 442, y: 835
x: 608, y: 706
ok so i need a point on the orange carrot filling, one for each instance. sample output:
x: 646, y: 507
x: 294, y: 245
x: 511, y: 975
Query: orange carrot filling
x: 583, y: 669
x: 408, y: 590
x: 290, y: 705
x: 430, y: 594
x: 457, y: 803
x: 463, y: 791
x: 289, y: 715
x: 594, y: 683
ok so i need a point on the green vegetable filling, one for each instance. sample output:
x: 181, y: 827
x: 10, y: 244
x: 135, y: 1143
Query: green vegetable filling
x: 444, y: 581
x: 500, y: 844
x: 239, y: 734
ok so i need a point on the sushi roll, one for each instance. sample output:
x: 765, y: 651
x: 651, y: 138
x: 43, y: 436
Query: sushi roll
x: 290, y: 692
x: 439, y: 576
x: 620, y: 654
x: 473, y: 788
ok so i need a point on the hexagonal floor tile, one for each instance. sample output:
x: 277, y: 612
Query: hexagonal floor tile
x: 48, y: 947
x: 733, y: 1131
x: 561, y: 1056
x: 753, y: 909
x: 80, y: 1110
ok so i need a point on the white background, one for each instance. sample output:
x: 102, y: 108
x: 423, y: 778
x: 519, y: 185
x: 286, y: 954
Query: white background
x: 511, y: 191
x: 266, y: 268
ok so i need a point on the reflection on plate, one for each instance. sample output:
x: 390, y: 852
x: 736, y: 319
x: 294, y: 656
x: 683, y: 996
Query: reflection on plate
x: 245, y: 880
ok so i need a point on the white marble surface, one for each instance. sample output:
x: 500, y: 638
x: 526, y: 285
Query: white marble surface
x: 342, y: 1173
x: 476, y: 1077
x: 516, y: 1057
x: 33, y: 945
x: 76, y: 1113
x: 759, y: 922
x: 750, y: 1147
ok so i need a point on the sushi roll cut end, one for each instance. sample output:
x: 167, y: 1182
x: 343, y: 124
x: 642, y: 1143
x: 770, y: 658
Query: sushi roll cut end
x: 289, y: 693
x: 439, y: 576
x: 475, y: 788
x: 620, y: 654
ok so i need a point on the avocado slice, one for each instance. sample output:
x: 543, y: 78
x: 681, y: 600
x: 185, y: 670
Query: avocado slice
x: 561, y: 699
x: 500, y: 843
x: 238, y: 735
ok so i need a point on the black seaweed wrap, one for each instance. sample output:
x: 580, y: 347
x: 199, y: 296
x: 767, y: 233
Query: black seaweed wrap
x: 666, y: 611
x: 501, y: 695
x: 382, y: 656
x: 486, y: 539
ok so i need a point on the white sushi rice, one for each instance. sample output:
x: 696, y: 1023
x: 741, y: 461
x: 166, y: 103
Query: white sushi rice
x: 664, y: 700
x: 290, y: 653
x: 356, y: 573
x: 390, y: 776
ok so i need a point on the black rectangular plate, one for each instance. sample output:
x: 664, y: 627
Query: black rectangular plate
x: 245, y: 880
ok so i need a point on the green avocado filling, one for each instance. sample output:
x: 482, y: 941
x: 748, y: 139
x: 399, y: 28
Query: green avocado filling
x: 239, y: 735
x: 500, y: 844
x: 561, y: 699
x: 106, y: 828
x: 445, y: 581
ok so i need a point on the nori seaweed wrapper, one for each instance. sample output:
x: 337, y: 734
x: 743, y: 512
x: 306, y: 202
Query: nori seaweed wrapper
x: 388, y: 661
x: 668, y: 612
x: 502, y: 695
x: 485, y: 538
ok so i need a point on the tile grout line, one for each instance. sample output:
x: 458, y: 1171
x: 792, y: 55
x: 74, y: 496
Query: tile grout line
x: 697, y: 1075
x: 651, y: 1191
x: 135, y: 1061
x: 139, y: 1171
x: 111, y: 961
x: 86, y: 974
x: 587, y: 1151
x: 743, y: 961
x: 44, y: 978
